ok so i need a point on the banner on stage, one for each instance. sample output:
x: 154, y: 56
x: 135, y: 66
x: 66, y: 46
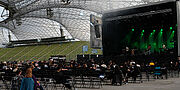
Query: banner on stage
x: 95, y: 32
x: 85, y: 48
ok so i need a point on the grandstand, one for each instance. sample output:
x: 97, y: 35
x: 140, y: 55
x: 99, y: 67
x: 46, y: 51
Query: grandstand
x: 43, y: 52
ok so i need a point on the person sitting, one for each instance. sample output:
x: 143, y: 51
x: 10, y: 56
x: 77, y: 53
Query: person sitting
x: 61, y: 78
x: 16, y: 81
x: 117, y: 76
x: 27, y: 82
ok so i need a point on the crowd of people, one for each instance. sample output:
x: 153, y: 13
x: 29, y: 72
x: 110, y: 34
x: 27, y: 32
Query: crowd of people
x: 25, y: 72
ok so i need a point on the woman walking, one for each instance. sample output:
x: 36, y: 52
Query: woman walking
x: 27, y: 82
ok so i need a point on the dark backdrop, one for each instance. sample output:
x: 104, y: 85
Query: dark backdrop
x: 116, y: 29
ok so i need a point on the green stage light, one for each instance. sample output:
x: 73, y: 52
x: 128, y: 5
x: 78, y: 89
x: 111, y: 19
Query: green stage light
x: 143, y: 31
x: 133, y: 30
x: 151, y: 33
x: 154, y: 30
x: 171, y: 28
x: 154, y: 44
x: 173, y: 31
x: 161, y: 30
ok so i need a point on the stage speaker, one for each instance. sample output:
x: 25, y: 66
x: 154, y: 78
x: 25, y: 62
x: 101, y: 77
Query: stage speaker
x: 97, y: 32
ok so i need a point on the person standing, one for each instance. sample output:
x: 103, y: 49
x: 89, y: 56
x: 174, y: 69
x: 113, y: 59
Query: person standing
x: 27, y: 82
x: 149, y: 50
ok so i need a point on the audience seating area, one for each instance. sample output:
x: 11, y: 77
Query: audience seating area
x: 43, y: 52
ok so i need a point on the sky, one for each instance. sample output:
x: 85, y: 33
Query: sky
x: 1, y: 10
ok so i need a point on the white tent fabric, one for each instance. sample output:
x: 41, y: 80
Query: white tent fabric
x: 34, y: 19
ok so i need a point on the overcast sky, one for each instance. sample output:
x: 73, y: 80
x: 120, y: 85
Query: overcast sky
x: 1, y: 10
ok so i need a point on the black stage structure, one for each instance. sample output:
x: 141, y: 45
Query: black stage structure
x: 144, y: 30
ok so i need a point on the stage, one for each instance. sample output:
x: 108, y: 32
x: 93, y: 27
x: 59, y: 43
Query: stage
x: 142, y: 30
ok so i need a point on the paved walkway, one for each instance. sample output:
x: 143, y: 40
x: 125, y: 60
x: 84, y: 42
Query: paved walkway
x: 170, y: 84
